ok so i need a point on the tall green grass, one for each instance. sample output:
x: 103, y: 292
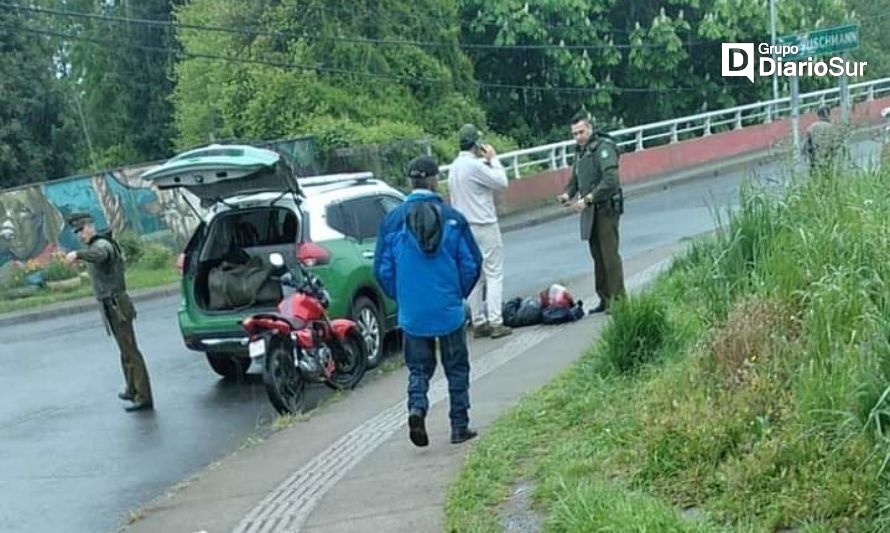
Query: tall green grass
x: 751, y: 383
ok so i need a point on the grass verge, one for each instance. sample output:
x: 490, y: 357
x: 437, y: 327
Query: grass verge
x: 751, y: 384
x: 138, y: 277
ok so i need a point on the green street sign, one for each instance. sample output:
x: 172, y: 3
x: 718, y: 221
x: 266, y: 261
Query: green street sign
x: 821, y: 42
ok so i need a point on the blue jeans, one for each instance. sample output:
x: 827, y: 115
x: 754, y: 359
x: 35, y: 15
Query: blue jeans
x: 420, y: 358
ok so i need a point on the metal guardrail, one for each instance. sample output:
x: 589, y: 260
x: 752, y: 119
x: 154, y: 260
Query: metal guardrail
x: 559, y: 155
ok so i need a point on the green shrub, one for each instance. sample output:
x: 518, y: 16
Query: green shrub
x: 637, y: 333
x: 156, y: 257
x: 131, y: 246
x: 15, y: 278
x: 57, y: 270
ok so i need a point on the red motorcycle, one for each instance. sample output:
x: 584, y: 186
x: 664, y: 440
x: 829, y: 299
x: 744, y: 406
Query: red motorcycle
x: 301, y: 344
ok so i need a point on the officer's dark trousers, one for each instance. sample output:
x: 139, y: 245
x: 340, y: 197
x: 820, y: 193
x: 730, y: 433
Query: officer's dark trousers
x: 132, y: 362
x: 420, y: 358
x: 607, y: 265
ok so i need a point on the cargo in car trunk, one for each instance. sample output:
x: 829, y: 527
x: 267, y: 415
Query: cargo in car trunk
x: 233, y: 262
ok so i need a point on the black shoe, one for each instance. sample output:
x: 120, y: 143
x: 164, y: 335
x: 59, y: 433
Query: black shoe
x: 139, y: 406
x: 417, y: 429
x: 602, y: 307
x: 462, y: 435
x: 127, y: 397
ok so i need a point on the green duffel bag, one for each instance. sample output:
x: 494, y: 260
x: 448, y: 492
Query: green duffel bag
x: 233, y: 286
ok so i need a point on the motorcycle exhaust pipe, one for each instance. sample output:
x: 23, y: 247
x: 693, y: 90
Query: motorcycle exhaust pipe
x: 308, y: 365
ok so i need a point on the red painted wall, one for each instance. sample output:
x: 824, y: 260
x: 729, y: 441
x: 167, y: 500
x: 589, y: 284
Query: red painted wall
x: 636, y: 167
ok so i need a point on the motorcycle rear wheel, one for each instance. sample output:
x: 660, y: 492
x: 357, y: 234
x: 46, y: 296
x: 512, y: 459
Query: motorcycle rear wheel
x: 284, y: 385
x: 352, y: 363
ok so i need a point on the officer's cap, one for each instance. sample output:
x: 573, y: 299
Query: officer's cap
x: 78, y: 220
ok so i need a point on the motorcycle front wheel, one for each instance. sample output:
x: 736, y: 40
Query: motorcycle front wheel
x: 284, y: 384
x: 350, y: 363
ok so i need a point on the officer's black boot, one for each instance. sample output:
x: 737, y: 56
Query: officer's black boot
x: 144, y: 405
x: 598, y: 309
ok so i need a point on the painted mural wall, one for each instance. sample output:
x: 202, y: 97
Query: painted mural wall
x: 32, y: 218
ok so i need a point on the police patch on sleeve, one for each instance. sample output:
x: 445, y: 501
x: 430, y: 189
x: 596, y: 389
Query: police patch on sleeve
x: 604, y: 153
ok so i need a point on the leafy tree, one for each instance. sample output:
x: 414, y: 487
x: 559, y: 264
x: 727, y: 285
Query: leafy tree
x: 36, y: 128
x: 327, y: 79
x: 873, y: 17
x: 122, y: 73
x: 630, y: 61
x: 550, y: 34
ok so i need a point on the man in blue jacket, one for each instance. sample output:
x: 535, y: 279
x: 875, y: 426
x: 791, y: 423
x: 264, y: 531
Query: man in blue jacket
x: 428, y: 262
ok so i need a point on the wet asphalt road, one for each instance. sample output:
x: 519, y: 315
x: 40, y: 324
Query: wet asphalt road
x: 72, y: 460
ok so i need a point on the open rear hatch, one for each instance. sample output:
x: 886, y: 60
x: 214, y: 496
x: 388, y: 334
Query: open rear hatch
x: 216, y: 172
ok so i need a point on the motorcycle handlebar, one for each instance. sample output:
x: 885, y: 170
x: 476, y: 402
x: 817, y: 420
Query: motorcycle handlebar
x: 310, y: 284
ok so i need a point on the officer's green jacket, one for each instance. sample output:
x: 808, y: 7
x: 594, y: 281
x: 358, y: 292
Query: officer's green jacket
x: 595, y: 172
x: 105, y: 265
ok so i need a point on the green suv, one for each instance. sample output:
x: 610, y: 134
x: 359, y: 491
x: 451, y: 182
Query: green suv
x: 255, y: 206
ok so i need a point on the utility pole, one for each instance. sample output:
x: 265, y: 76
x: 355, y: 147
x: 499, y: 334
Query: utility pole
x: 772, y: 24
x: 86, y: 130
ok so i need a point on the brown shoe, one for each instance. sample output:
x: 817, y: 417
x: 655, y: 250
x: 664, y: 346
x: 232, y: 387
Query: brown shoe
x: 499, y: 331
x: 482, y: 331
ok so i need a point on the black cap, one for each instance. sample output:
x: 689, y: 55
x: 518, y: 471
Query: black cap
x: 422, y: 167
x: 78, y: 220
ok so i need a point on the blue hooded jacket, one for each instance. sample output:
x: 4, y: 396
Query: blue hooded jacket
x: 427, y: 261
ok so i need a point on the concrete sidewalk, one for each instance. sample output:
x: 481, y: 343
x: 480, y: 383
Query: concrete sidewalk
x: 350, y: 467
x: 512, y: 222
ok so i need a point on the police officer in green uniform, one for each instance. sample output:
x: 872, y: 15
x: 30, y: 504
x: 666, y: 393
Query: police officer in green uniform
x: 821, y: 143
x: 595, y: 192
x: 106, y: 267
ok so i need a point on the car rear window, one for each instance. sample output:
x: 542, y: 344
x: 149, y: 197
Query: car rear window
x: 252, y: 228
x: 211, y: 152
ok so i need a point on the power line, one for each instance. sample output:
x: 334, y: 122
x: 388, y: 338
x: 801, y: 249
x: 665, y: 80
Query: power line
x: 354, y: 40
x: 464, y: 20
x: 340, y: 71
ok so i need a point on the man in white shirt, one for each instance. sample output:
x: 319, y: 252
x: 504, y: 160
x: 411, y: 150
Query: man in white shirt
x: 472, y: 180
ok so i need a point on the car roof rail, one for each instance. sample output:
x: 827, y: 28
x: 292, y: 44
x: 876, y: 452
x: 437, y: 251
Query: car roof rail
x: 352, y: 177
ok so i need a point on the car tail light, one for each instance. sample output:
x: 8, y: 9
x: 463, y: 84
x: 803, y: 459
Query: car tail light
x: 311, y: 254
x: 180, y: 263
